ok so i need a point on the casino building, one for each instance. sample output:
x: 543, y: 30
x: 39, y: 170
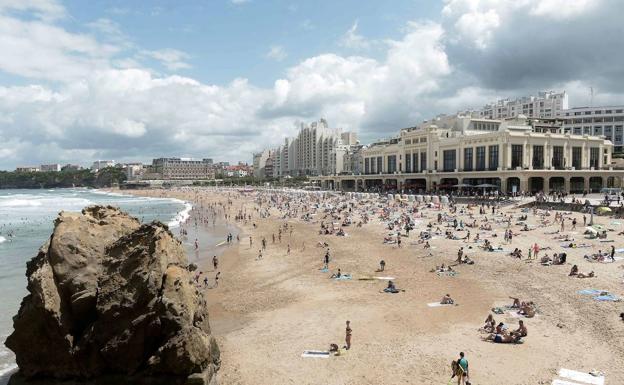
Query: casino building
x: 514, y: 155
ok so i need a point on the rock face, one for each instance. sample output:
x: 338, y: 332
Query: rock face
x: 111, y: 297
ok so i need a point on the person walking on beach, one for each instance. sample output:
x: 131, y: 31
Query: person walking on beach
x: 612, y: 253
x: 288, y: 251
x: 215, y: 262
x: 217, y: 278
x: 462, y: 362
x: 382, y: 265
x: 250, y: 242
x: 348, y: 333
x: 326, y: 259
x: 196, y: 244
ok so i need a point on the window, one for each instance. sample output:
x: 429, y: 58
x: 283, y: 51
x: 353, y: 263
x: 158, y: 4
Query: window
x: 619, y: 111
x: 392, y: 164
x: 577, y: 157
x: 415, y: 162
x: 449, y: 160
x: 608, y: 111
x: 408, y: 141
x: 366, y: 166
x: 493, y: 157
x: 517, y: 153
x: 423, y: 161
x: 379, y: 164
x: 423, y: 139
x: 557, y: 160
x: 597, y: 112
x: 594, y: 155
x: 408, y: 163
x: 597, y: 130
x: 538, y: 157
x: 480, y: 158
x: 468, y: 159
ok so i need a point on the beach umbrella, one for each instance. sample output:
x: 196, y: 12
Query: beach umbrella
x: 485, y: 185
x: 603, y: 210
x: 461, y: 185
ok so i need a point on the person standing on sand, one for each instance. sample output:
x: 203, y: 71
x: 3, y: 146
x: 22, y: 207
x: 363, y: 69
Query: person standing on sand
x: 326, y: 259
x: 348, y: 333
x: 250, y: 242
x: 612, y: 253
x: 215, y: 262
x: 463, y: 364
x: 288, y: 251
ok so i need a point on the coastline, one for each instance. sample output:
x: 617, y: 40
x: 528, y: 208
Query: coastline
x: 264, y: 313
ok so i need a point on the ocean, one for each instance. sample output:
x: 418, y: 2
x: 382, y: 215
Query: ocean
x: 26, y: 222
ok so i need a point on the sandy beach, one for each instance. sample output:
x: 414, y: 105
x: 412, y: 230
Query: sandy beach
x: 266, y: 312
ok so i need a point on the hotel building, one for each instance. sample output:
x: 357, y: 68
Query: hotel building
x: 518, y: 154
x: 183, y: 168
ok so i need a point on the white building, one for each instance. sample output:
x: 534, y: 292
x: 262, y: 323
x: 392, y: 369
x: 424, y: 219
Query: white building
x: 316, y: 150
x: 26, y: 169
x: 545, y: 105
x: 100, y: 164
x: 508, y: 154
x: 55, y: 167
x: 183, y: 168
x: 259, y: 163
x: 597, y: 121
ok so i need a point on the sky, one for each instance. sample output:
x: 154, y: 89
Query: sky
x: 133, y: 80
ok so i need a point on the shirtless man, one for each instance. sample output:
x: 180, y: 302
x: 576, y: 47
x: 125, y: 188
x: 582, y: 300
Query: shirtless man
x: 521, y: 331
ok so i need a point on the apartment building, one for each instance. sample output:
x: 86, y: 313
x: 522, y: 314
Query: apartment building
x: 607, y: 121
x: 545, y: 105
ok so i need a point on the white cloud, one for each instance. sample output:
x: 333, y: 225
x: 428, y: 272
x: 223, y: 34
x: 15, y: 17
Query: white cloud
x: 352, y: 40
x: 48, y: 10
x: 238, y: 2
x: 89, y: 99
x: 277, y: 53
x: 172, y: 59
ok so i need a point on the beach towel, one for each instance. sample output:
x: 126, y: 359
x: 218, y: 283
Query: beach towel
x: 438, y: 304
x: 580, y: 377
x: 607, y: 298
x: 591, y: 291
x: 315, y: 354
x: 447, y: 273
x: 343, y: 277
x: 324, y: 270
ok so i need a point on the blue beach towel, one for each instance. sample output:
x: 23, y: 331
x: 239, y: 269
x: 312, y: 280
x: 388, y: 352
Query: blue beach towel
x: 608, y: 297
x: 591, y: 291
x: 343, y: 277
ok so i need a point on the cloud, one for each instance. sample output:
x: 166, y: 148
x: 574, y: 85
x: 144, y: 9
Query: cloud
x: 239, y: 2
x: 172, y: 59
x: 277, y: 53
x: 352, y: 40
x: 85, y: 98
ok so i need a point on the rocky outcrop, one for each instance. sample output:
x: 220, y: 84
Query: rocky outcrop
x: 111, y: 297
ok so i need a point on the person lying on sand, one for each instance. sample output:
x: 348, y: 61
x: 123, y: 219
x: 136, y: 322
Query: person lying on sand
x: 502, y: 338
x: 447, y: 300
x: 589, y: 275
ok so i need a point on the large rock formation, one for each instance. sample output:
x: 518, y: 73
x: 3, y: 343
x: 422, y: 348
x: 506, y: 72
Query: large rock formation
x: 111, y: 297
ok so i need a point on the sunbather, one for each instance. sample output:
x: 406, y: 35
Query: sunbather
x: 573, y: 271
x: 447, y: 300
x: 582, y: 275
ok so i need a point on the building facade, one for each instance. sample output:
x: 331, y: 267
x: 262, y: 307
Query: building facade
x: 100, y: 164
x: 26, y: 169
x: 508, y: 154
x: 55, y: 167
x: 597, y: 121
x: 183, y: 168
x: 545, y: 105
x: 316, y: 150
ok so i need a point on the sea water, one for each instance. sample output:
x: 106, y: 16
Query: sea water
x: 26, y: 222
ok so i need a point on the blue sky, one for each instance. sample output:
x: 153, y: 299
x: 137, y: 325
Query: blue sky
x: 226, y: 40
x: 134, y: 80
